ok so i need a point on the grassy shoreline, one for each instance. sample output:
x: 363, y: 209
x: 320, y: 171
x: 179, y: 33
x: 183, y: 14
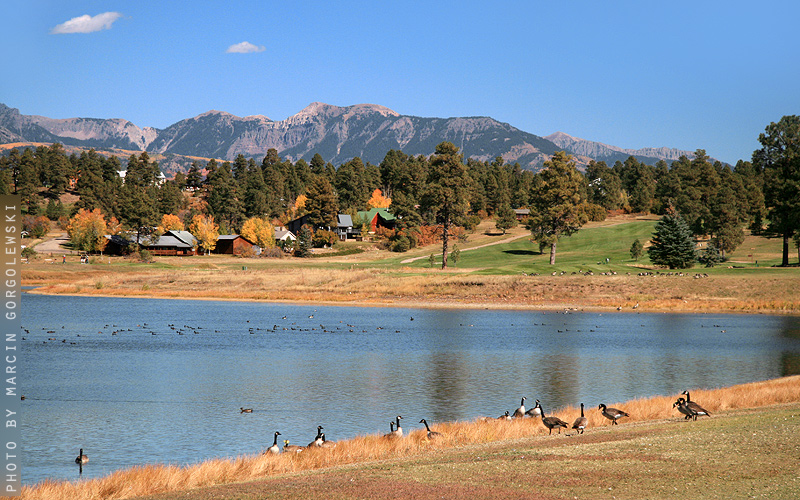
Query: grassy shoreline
x: 644, y: 457
x: 495, y: 271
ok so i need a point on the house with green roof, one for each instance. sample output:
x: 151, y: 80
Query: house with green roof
x: 378, y: 217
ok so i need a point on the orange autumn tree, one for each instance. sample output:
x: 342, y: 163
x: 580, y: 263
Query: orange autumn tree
x: 206, y: 231
x: 259, y: 231
x: 378, y: 200
x: 170, y: 222
x: 87, y: 230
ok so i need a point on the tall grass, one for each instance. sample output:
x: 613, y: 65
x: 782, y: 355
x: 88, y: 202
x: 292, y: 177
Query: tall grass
x: 158, y: 479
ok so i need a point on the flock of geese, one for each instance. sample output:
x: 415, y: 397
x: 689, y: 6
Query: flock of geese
x: 690, y: 409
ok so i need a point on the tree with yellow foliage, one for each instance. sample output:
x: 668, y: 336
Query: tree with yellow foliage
x: 378, y: 200
x: 87, y: 230
x: 206, y: 231
x: 259, y: 231
x: 170, y: 222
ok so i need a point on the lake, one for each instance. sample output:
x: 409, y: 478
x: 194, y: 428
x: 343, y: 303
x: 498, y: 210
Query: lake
x: 136, y: 381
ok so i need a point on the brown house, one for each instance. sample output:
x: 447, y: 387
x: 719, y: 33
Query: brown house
x: 235, y: 244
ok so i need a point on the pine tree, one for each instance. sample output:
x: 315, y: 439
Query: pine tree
x: 672, y: 244
x: 636, y: 249
x: 447, y: 190
x: 559, y: 202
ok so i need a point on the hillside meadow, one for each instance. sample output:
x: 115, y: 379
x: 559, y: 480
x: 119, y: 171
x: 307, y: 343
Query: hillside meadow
x: 494, y: 270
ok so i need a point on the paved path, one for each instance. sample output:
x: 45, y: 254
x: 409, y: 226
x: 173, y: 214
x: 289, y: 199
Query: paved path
x: 498, y: 242
x: 53, y: 245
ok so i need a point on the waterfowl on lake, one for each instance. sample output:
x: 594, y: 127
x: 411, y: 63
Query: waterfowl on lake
x: 327, y: 444
x: 245, y: 410
x: 505, y: 416
x: 391, y: 430
x: 520, y: 412
x: 274, y: 448
x: 317, y: 440
x: 612, y: 414
x: 291, y: 448
x: 553, y: 422
x: 81, y: 458
x: 580, y: 422
x: 431, y: 434
x: 398, y: 431
x: 536, y: 411
x: 695, y: 408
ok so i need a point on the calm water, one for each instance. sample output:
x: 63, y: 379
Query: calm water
x: 137, y: 381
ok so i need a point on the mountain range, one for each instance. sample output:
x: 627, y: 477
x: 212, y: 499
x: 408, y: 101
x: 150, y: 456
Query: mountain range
x: 337, y: 133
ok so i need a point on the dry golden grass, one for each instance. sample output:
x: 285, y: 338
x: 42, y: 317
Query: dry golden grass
x: 160, y: 479
x: 287, y: 280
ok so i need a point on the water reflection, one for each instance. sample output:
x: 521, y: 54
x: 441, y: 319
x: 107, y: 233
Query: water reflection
x: 148, y: 390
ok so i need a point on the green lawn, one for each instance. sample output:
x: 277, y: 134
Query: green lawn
x: 586, y: 250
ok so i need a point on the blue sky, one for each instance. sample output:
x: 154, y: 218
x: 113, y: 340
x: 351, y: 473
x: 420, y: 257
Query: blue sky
x: 688, y: 75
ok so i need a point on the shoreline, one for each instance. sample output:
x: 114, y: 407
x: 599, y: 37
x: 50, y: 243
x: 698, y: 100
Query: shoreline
x: 244, y: 471
x: 404, y: 303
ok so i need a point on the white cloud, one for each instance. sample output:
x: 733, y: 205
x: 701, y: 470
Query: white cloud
x: 87, y: 23
x: 245, y: 48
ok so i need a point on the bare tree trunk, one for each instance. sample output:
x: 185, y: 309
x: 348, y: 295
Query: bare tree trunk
x: 553, y: 253
x: 785, y: 261
x: 445, y: 228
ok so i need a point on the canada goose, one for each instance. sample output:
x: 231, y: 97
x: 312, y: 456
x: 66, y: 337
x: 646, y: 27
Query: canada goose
x: 274, y: 449
x: 327, y: 444
x: 580, y: 422
x: 553, y: 422
x: 291, y: 448
x: 612, y: 414
x: 398, y: 432
x: 317, y: 440
x: 505, y: 416
x: 391, y: 430
x: 536, y: 411
x: 681, y: 405
x: 520, y: 412
x: 245, y: 410
x: 81, y: 458
x: 431, y: 434
x: 695, y: 408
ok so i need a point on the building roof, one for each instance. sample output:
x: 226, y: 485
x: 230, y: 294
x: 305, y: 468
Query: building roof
x: 344, y: 220
x: 383, y: 213
x: 284, y: 234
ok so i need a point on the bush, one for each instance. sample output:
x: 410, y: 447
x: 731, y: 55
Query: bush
x: 272, y: 252
x: 28, y: 253
x: 596, y: 213
x: 711, y: 256
x: 401, y: 244
x: 324, y: 238
x: 145, y: 256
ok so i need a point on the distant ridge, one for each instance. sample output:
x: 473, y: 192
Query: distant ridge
x: 610, y: 154
x: 337, y: 133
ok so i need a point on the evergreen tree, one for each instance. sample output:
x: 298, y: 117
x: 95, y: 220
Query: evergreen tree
x: 255, y: 191
x: 505, y: 218
x: 672, y: 244
x: 194, y: 179
x: 321, y: 204
x: 304, y: 241
x: 447, y: 188
x: 779, y: 158
x: 559, y: 202
x: 636, y: 249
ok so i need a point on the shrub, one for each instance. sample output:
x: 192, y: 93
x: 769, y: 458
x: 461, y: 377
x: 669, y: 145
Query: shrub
x: 272, y: 252
x: 145, y: 256
x: 324, y: 238
x: 401, y: 244
x: 28, y: 253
